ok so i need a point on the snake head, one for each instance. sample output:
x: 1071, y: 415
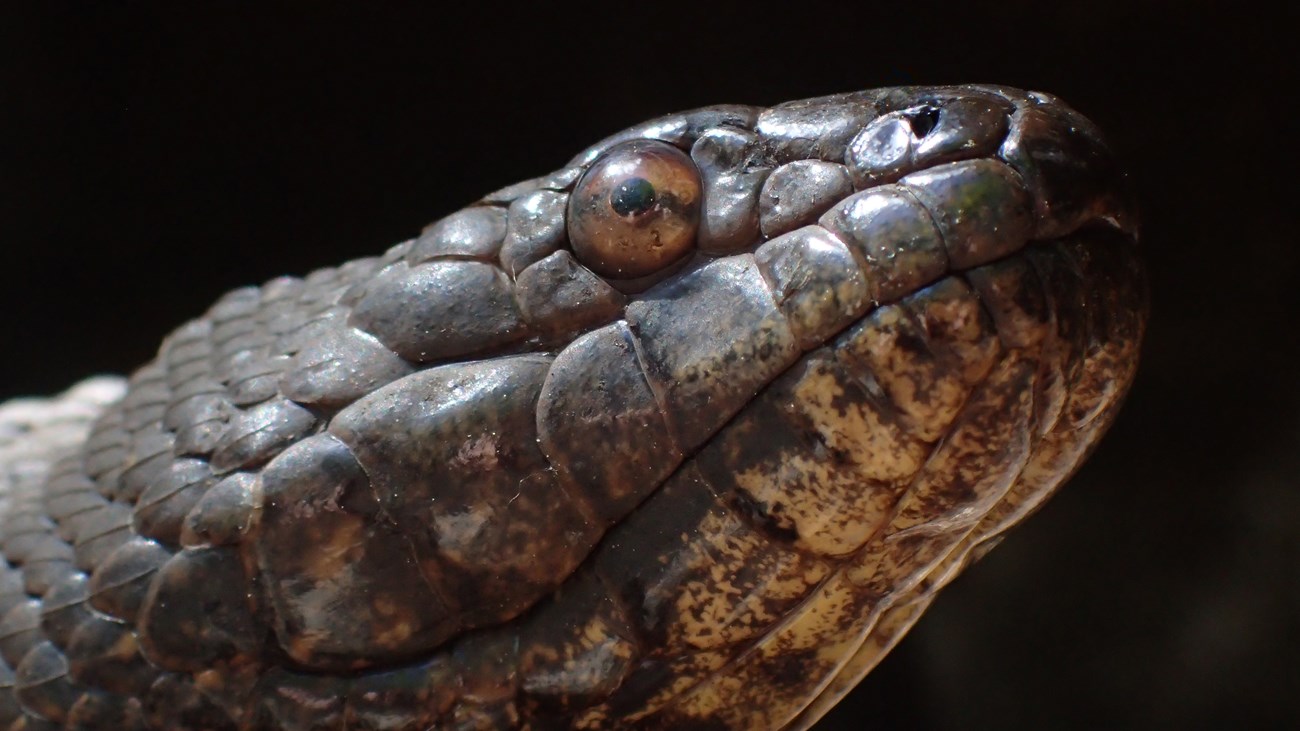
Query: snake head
x: 685, y: 434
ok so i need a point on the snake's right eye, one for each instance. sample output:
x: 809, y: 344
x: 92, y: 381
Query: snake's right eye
x: 636, y: 210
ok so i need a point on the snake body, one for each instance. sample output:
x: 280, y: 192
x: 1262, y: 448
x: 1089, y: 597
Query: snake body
x: 685, y: 447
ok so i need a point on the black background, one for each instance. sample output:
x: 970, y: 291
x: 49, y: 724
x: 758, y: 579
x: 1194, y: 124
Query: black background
x: 153, y: 157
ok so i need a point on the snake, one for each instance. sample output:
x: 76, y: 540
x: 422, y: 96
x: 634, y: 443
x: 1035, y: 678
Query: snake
x: 686, y: 434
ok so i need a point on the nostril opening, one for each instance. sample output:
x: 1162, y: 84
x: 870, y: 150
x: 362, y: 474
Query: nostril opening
x: 923, y: 120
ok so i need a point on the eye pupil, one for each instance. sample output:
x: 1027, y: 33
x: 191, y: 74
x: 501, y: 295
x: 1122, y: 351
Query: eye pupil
x: 632, y: 196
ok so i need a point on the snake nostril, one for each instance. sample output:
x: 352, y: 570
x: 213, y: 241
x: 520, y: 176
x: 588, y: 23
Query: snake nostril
x: 923, y: 120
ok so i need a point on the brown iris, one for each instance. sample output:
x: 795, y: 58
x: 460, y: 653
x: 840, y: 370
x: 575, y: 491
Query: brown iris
x: 635, y: 210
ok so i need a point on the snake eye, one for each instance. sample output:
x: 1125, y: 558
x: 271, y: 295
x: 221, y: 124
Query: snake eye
x: 635, y: 210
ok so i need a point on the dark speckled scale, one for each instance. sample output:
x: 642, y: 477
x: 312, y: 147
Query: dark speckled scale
x: 172, y: 702
x: 979, y: 206
x: 258, y: 434
x: 63, y: 608
x: 104, y: 654
x: 41, y: 683
x: 474, y: 233
x: 196, y: 611
x: 412, y: 697
x: 21, y: 532
x: 197, y: 402
x: 101, y: 534
x: 119, y: 584
x: 469, y: 483
x: 425, y: 313
x: 816, y: 129
x: 98, y: 710
x: 896, y: 239
x: 796, y: 193
x: 20, y: 630
x: 748, y: 342
x: 817, y: 282
x: 10, y: 709
x: 600, y: 424
x: 48, y: 563
x: 338, y: 367
x: 296, y: 702
x: 579, y: 649
x: 562, y: 298
x: 733, y: 168
x: 223, y: 514
x: 169, y: 498
x: 535, y: 230
x: 316, y: 493
x: 251, y: 378
x: 104, y: 465
x: 681, y: 129
x: 11, y: 589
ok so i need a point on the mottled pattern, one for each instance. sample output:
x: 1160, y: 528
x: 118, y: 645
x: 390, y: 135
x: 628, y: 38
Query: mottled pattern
x: 477, y: 482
